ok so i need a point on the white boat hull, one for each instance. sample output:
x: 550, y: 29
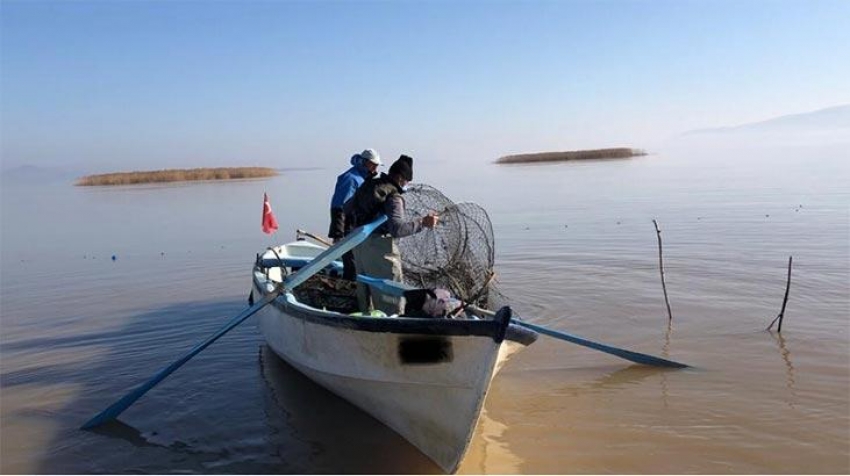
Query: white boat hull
x: 424, y: 378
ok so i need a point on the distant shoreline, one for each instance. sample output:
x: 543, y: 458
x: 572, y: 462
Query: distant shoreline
x: 175, y: 175
x: 594, y: 154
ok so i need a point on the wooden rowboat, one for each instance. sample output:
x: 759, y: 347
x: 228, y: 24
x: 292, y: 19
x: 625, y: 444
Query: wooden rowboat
x: 426, y: 378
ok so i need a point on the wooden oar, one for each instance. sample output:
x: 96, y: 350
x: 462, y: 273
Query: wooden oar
x: 395, y: 288
x: 333, y: 253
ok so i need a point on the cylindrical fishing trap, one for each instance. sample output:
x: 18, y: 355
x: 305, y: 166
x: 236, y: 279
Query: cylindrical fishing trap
x: 457, y: 255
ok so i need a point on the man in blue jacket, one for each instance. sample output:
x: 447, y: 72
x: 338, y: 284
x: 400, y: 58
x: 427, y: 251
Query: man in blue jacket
x: 363, y: 165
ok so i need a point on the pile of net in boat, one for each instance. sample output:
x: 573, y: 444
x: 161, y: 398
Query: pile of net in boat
x: 457, y: 255
x: 329, y: 293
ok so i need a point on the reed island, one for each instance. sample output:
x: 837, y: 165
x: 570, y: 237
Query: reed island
x: 594, y: 154
x: 176, y: 175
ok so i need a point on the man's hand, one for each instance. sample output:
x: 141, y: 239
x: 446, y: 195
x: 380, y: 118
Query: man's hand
x: 430, y: 220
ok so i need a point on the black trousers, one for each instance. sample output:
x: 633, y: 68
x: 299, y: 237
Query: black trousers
x: 349, y: 271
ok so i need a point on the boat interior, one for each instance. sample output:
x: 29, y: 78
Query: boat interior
x: 328, y: 291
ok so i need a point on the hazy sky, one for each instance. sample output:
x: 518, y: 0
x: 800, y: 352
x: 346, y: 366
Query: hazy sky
x: 116, y: 85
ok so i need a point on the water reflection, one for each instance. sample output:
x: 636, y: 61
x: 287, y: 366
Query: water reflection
x: 489, y: 452
x: 665, y: 352
x: 630, y: 375
x: 123, y: 431
x: 789, y: 368
x: 618, y: 379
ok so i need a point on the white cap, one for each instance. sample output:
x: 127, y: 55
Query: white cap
x: 372, y: 156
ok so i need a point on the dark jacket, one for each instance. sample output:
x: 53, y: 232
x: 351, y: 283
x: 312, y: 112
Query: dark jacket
x: 377, y: 196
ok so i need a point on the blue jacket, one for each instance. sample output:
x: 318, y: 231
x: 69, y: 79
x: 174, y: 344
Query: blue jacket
x: 346, y: 184
x: 349, y: 181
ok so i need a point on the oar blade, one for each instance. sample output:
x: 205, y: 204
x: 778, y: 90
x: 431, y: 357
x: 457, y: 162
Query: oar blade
x: 112, y: 412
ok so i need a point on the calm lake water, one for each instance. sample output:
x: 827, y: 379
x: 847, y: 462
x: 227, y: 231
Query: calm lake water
x: 576, y: 250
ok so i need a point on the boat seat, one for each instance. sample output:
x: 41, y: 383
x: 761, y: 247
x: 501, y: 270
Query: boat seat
x: 275, y: 274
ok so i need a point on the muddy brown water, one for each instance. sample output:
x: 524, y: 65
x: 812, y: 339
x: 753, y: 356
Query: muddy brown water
x: 576, y: 250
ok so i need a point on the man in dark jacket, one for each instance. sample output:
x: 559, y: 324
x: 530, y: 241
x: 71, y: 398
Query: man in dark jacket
x: 379, y: 256
x: 363, y: 165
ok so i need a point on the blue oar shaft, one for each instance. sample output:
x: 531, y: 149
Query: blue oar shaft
x: 636, y: 357
x: 385, y: 286
x: 333, y: 253
x: 118, y: 407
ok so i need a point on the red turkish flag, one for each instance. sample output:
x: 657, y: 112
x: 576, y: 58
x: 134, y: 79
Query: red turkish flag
x: 269, y: 221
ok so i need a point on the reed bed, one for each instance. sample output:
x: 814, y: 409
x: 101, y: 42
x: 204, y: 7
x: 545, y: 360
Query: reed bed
x: 176, y: 175
x: 594, y: 154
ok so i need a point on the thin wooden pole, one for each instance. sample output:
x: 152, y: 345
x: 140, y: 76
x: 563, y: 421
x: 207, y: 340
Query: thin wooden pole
x: 781, y: 315
x: 315, y: 237
x: 661, y: 269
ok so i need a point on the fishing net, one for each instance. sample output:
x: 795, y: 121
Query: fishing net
x: 329, y: 293
x: 457, y: 255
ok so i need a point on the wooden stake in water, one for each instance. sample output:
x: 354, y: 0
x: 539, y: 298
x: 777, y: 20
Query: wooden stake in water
x: 661, y: 269
x: 781, y: 315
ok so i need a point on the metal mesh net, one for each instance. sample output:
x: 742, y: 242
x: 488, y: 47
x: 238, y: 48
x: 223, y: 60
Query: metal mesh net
x: 457, y: 255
